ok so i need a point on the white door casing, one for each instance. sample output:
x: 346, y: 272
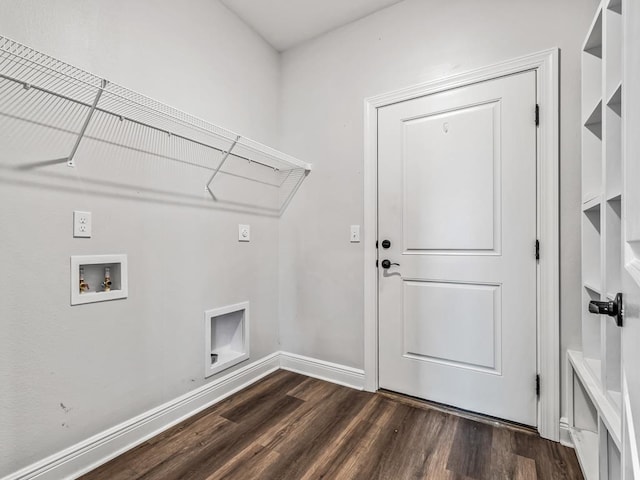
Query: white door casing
x: 630, y: 334
x: 546, y: 64
x: 457, y: 200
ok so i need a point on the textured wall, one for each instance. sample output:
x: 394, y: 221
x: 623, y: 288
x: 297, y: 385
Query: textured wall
x: 324, y: 83
x: 70, y: 372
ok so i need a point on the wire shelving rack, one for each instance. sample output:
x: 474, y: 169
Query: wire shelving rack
x: 41, y: 90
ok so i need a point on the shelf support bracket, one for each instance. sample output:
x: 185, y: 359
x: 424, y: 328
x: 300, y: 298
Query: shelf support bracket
x: 83, y: 130
x: 224, y: 159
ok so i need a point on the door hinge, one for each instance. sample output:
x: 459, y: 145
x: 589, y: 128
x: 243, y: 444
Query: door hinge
x: 537, y: 249
x: 537, y: 115
x: 537, y: 385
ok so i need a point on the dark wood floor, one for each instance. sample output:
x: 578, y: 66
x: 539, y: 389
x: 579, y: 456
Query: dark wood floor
x: 289, y: 426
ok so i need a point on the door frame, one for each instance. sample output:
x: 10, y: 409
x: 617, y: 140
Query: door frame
x: 546, y: 64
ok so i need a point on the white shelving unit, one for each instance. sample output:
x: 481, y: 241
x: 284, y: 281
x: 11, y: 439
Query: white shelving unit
x: 594, y: 382
x: 79, y: 113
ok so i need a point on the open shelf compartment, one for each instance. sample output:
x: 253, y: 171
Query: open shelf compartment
x: 595, y: 395
x: 226, y: 337
x: 610, y: 457
x: 612, y: 51
x: 584, y: 427
x: 615, y: 6
x: 591, y: 246
x: 593, y: 43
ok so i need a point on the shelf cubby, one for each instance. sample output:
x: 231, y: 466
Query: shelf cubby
x: 592, y: 66
x: 591, y: 332
x: 593, y: 43
x: 593, y: 123
x: 591, y: 166
x: 613, y: 153
x: 615, y: 6
x: 615, y: 100
x: 592, y: 394
x: 584, y: 431
x: 592, y: 154
x: 612, y: 366
x: 591, y: 246
x: 613, y: 246
x: 612, y: 51
x: 610, y: 463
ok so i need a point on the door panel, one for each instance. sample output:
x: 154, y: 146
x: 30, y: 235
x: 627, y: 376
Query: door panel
x: 457, y: 200
x: 464, y: 157
x: 454, y: 308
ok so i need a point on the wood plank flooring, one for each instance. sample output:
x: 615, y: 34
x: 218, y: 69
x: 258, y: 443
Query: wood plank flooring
x: 288, y: 426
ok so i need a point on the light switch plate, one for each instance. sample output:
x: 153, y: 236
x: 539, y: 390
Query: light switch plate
x: 244, y: 233
x: 81, y: 224
x: 355, y: 233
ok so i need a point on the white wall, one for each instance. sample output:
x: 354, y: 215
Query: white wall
x: 324, y: 83
x: 67, y: 373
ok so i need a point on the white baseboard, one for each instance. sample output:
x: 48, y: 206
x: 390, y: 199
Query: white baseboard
x: 331, y: 372
x: 99, y: 449
x: 565, y: 434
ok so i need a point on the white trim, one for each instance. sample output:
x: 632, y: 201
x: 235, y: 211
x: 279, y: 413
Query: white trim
x: 89, y: 454
x: 546, y: 64
x: 630, y: 454
x: 565, y: 433
x: 99, y: 449
x: 331, y: 372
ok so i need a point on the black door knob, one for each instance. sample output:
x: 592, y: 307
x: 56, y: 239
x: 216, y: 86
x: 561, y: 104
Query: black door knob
x: 386, y: 243
x: 612, y: 308
x: 387, y: 263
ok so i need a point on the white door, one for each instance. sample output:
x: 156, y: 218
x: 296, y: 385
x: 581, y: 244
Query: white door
x: 457, y: 202
x: 630, y: 332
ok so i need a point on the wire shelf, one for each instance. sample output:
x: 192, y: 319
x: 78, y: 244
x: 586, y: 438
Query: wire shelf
x: 88, y: 114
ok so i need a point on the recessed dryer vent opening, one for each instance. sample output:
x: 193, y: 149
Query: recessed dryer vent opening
x: 226, y: 337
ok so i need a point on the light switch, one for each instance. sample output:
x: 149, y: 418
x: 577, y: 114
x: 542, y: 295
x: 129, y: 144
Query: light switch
x: 244, y: 233
x: 355, y: 233
x: 81, y: 224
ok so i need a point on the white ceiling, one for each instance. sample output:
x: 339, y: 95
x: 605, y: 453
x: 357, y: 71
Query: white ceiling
x: 286, y: 23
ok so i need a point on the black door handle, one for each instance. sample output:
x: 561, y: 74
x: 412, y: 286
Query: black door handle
x: 387, y: 263
x: 612, y: 308
x: 386, y: 243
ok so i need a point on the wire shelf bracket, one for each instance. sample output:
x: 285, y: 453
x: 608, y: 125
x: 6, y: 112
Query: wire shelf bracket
x: 70, y: 161
x: 224, y: 159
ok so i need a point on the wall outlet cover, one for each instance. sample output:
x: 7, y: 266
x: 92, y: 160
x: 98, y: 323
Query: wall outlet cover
x: 81, y: 224
x: 244, y: 233
x: 355, y: 234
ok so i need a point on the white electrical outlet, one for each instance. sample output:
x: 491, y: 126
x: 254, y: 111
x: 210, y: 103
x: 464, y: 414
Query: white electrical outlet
x: 355, y: 233
x: 244, y: 233
x: 81, y: 224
